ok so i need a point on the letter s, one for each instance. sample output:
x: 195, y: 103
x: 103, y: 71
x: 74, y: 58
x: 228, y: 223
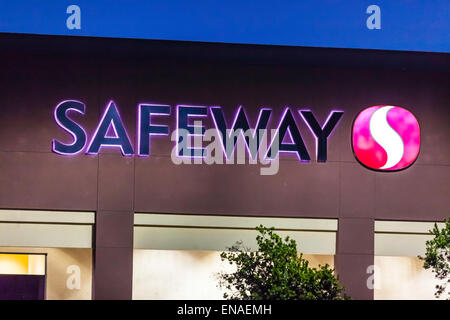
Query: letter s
x: 77, y: 132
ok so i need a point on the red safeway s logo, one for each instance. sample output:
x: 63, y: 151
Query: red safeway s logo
x: 386, y: 138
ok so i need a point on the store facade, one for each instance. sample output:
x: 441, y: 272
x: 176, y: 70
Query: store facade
x: 88, y: 175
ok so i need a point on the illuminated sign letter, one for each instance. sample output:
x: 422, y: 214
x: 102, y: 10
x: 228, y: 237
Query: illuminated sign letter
x: 288, y: 125
x: 146, y: 129
x: 77, y: 132
x: 111, y: 118
x: 183, y: 114
x: 321, y: 133
x: 240, y: 126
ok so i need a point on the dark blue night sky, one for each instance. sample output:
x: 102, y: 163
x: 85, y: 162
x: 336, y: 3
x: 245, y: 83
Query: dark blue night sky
x: 418, y: 25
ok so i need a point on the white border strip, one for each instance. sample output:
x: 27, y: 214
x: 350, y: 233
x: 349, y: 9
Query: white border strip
x: 38, y: 216
x: 45, y: 235
x: 205, y: 232
x: 405, y: 227
x: 233, y: 222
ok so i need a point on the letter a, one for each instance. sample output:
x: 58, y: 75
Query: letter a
x: 74, y: 20
x: 374, y: 20
x: 74, y: 280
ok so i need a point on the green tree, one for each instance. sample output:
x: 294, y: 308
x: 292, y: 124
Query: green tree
x: 276, y: 272
x: 437, y: 257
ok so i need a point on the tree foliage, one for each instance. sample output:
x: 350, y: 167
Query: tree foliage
x: 276, y: 272
x: 437, y: 257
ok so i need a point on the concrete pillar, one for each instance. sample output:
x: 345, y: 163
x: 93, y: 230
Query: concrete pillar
x: 113, y: 245
x: 354, y: 256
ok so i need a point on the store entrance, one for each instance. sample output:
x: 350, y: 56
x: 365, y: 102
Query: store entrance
x: 23, y: 276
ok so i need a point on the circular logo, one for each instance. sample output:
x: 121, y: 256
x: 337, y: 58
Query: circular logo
x: 386, y: 138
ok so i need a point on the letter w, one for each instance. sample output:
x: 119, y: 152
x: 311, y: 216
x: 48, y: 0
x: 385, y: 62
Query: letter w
x: 240, y: 125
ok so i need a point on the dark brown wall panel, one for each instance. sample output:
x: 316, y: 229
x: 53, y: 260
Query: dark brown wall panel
x: 116, y: 183
x: 418, y: 193
x: 117, y: 81
x: 352, y: 272
x: 309, y: 190
x: 113, y: 274
x: 47, y: 181
x: 355, y: 236
x: 357, y: 191
x: 114, y: 231
x: 354, y: 256
x: 31, y: 87
x: 113, y: 254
